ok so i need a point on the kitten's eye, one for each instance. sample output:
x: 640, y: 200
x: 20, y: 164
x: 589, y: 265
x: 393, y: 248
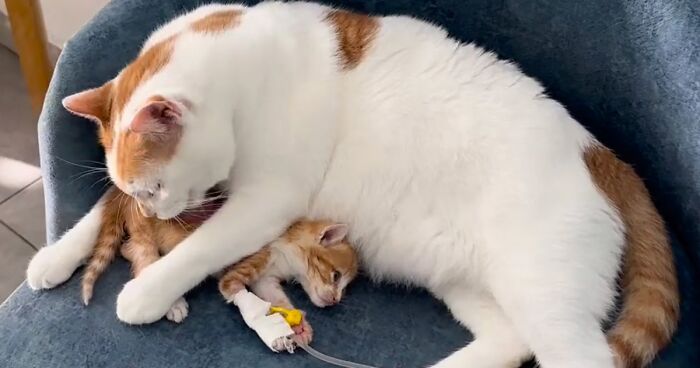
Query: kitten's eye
x: 335, y: 277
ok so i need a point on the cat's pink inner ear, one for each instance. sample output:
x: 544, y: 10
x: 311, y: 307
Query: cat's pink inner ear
x: 157, y: 116
x: 91, y: 104
x: 333, y: 234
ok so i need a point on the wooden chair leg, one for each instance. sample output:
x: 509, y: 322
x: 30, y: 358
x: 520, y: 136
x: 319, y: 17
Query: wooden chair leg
x: 29, y: 34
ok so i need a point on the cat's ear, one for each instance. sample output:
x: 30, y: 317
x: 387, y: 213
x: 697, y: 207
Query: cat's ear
x: 157, y: 116
x: 93, y: 104
x: 333, y: 234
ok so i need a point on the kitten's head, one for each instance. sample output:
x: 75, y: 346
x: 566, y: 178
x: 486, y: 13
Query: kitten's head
x: 328, y: 262
x: 159, y: 147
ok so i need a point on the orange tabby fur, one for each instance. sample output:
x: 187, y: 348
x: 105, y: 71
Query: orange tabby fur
x: 303, y: 240
x: 147, y: 238
x: 649, y: 286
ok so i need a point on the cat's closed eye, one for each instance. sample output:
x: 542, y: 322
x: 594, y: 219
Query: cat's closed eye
x: 335, y: 276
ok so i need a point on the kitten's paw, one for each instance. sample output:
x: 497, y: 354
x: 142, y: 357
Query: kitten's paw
x: 50, y: 267
x: 178, y: 312
x: 303, y: 333
x: 143, y: 301
x: 283, y: 343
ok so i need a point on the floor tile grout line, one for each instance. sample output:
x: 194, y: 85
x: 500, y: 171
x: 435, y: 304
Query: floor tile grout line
x: 20, y: 190
x: 18, y: 235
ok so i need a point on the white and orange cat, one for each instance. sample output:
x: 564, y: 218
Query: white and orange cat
x: 313, y: 253
x: 453, y: 170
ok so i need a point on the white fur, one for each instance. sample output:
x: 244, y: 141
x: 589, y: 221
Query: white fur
x: 53, y: 265
x: 453, y: 170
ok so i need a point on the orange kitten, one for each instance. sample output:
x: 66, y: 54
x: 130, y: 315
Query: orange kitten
x: 314, y: 253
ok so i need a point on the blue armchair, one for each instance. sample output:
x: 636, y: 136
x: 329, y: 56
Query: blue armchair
x: 629, y: 70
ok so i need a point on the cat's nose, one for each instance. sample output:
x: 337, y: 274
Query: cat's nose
x: 143, y: 194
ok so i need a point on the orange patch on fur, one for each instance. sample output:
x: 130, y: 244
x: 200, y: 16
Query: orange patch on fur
x: 305, y: 234
x: 648, y: 263
x: 145, y: 66
x: 136, y: 152
x: 103, y: 113
x: 237, y: 276
x: 109, y: 238
x: 338, y: 257
x: 217, y: 22
x: 355, y: 33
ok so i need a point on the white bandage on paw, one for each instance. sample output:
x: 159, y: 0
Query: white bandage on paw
x: 272, y: 329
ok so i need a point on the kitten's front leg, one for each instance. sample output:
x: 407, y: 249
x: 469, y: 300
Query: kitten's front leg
x: 251, y: 218
x: 142, y: 251
x: 269, y: 288
x: 53, y: 265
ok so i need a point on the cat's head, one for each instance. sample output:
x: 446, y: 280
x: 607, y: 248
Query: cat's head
x: 327, y: 262
x: 160, y: 146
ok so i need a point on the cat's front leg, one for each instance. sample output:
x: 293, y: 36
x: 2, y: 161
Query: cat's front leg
x: 251, y: 218
x: 53, y: 265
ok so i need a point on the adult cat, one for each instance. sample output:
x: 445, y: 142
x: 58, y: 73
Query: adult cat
x: 453, y: 170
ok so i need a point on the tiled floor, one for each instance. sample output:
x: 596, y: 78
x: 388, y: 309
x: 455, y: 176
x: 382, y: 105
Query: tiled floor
x: 21, y: 192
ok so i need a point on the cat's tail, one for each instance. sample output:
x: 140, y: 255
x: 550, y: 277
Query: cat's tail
x: 108, y: 240
x: 650, y: 305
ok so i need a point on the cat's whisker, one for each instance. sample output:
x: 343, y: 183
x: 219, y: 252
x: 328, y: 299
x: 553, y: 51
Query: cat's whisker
x: 206, y: 200
x: 180, y: 222
x: 105, y: 185
x: 86, y: 172
x: 105, y: 180
x: 200, y: 210
x: 134, y: 210
x: 74, y: 181
x: 102, y: 167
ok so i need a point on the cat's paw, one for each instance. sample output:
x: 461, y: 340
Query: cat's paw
x: 178, y: 312
x: 51, y: 266
x: 303, y: 333
x: 142, y: 300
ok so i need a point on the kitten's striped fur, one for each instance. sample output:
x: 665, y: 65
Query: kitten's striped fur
x: 309, y: 252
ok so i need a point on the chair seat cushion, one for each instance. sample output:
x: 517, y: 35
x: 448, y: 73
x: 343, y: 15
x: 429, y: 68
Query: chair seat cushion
x: 380, y: 325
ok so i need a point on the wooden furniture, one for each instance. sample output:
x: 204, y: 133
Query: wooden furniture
x: 29, y: 35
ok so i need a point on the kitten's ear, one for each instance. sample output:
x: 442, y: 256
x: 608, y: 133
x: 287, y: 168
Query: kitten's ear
x: 93, y: 104
x: 333, y: 234
x: 157, y: 116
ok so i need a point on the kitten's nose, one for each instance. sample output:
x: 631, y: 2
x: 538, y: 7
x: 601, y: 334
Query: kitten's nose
x: 331, y: 298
